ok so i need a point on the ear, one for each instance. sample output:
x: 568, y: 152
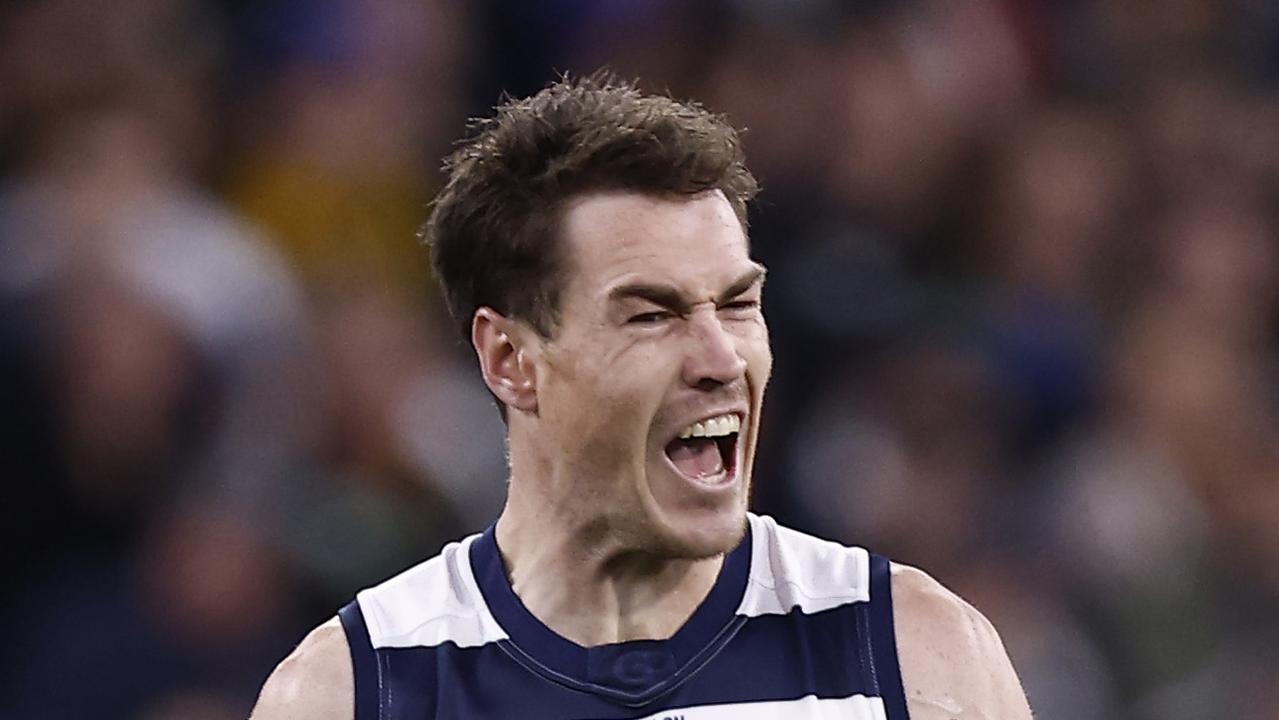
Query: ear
x: 501, y: 344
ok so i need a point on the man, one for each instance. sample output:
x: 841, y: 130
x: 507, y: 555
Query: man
x: 591, y: 244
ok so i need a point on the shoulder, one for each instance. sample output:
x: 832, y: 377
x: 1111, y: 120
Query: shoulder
x: 791, y: 569
x: 953, y: 662
x: 434, y: 602
x: 315, y: 681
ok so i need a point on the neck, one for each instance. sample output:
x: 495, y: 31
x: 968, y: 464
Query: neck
x: 589, y: 586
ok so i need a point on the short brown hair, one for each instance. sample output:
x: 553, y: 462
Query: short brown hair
x: 493, y: 228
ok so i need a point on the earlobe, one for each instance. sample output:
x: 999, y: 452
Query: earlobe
x: 499, y: 345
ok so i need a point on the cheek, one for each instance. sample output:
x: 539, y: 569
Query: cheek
x: 603, y: 397
x: 637, y: 381
x: 756, y: 349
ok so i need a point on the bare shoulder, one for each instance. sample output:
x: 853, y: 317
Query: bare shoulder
x: 952, y: 661
x: 314, y: 682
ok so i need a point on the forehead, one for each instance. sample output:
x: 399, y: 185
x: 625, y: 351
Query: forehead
x: 693, y: 242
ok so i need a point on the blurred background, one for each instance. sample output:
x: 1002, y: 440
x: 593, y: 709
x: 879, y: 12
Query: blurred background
x: 1023, y: 295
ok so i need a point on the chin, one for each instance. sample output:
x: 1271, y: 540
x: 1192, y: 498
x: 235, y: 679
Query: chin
x: 703, y: 537
x: 688, y: 518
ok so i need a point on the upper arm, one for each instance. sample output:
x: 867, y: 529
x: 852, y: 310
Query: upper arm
x: 315, y: 682
x: 953, y: 663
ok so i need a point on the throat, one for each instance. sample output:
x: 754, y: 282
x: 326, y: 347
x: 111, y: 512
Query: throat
x: 623, y: 603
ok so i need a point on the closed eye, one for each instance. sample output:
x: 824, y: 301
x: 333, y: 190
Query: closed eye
x: 741, y: 306
x: 649, y: 318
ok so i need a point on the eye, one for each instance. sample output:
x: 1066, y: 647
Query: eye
x: 648, y: 318
x: 741, y: 305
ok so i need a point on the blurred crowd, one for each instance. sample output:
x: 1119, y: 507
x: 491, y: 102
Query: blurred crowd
x: 1023, y: 291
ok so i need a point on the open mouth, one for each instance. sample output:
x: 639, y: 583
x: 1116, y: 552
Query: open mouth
x: 707, y: 450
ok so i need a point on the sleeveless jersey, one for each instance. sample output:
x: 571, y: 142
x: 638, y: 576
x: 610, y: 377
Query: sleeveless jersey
x: 794, y: 627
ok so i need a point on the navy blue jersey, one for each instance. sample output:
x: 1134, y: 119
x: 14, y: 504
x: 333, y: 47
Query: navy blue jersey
x: 794, y: 627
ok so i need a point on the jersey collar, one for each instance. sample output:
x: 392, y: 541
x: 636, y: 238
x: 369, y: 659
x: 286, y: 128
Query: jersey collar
x: 632, y: 673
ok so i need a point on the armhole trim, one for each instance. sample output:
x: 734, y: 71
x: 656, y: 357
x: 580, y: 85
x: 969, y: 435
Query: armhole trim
x: 883, y: 639
x: 363, y: 661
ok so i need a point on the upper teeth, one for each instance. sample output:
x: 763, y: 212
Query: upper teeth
x: 714, y: 427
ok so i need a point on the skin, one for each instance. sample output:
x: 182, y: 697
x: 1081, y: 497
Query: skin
x: 953, y: 664
x: 653, y: 336
x: 604, y: 539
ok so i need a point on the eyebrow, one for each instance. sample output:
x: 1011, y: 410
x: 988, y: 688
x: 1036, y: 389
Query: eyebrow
x: 670, y: 298
x: 743, y: 283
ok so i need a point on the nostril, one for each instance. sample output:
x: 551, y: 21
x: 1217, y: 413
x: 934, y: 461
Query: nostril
x: 709, y: 383
x: 709, y: 374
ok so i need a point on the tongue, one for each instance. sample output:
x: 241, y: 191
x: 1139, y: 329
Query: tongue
x: 696, y: 457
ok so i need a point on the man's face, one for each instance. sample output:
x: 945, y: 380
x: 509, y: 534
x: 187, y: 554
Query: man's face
x: 649, y: 392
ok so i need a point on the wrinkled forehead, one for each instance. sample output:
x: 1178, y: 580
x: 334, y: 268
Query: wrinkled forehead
x: 694, y: 242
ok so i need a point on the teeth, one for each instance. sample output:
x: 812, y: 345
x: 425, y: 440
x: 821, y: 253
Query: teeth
x: 713, y: 427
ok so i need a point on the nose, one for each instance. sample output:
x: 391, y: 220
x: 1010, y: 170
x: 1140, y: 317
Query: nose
x: 712, y: 359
